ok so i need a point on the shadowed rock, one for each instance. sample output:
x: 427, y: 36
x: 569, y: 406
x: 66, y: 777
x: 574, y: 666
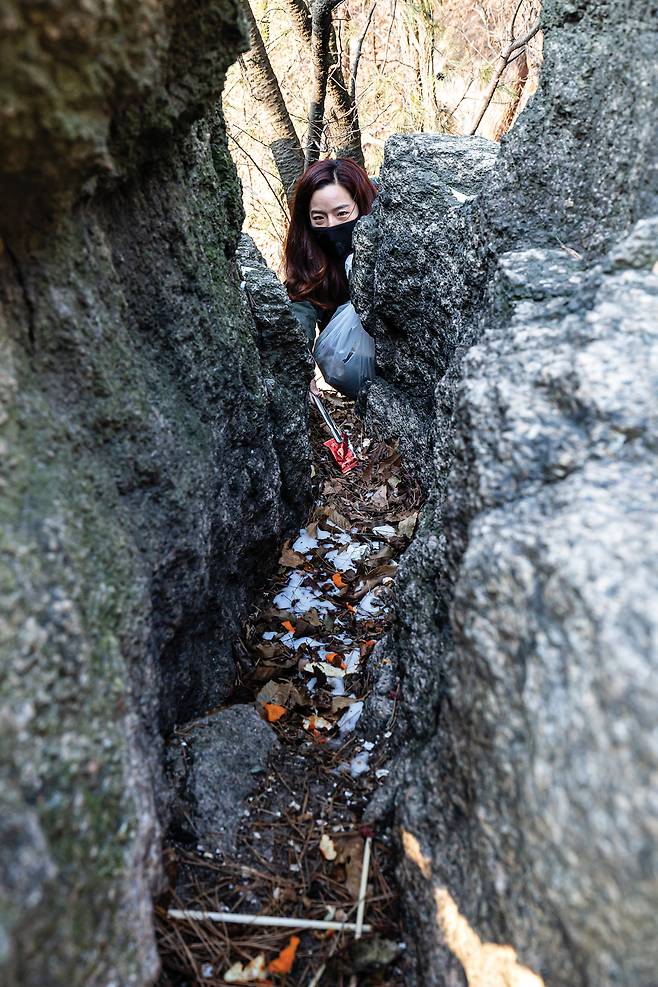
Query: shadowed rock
x: 214, y: 767
x: 141, y: 492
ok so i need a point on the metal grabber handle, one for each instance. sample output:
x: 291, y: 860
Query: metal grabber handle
x: 328, y: 420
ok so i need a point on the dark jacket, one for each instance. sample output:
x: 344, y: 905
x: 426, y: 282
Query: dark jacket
x: 310, y: 315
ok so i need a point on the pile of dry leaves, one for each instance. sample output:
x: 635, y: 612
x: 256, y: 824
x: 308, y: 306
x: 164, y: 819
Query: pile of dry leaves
x: 304, y: 660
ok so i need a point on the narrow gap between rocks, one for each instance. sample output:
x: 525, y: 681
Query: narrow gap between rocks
x: 309, y: 660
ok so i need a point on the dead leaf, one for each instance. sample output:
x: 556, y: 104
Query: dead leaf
x: 407, y: 525
x: 327, y: 848
x: 350, y: 856
x: 339, y: 703
x: 274, y: 712
x: 280, y: 694
x: 313, y: 618
x: 338, y: 519
x: 380, y: 497
x: 291, y: 560
x: 384, y: 553
x: 267, y: 649
x: 266, y: 671
x: 338, y: 580
x: 283, y: 963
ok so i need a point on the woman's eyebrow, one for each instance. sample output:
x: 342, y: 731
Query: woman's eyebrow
x: 320, y: 212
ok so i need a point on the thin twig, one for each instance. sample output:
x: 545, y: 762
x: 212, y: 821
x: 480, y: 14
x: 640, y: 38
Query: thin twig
x: 356, y: 58
x: 261, y: 172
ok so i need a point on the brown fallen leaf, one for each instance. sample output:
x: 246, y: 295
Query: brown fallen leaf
x: 407, y: 525
x: 333, y: 515
x: 339, y: 703
x: 374, y: 579
x: 350, y: 856
x: 380, y: 497
x: 266, y: 670
x: 387, y: 552
x: 291, y: 560
x: 312, y: 618
x: 280, y: 694
x: 267, y: 649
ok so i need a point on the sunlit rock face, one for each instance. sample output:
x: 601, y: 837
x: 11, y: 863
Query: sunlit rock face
x: 580, y: 165
x: 528, y: 602
x: 142, y: 489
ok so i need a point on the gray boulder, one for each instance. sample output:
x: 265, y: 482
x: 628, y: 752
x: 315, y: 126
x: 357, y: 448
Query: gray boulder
x: 416, y: 273
x: 529, y: 627
x: 214, y: 764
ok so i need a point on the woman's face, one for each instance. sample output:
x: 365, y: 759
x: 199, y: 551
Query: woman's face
x: 332, y: 205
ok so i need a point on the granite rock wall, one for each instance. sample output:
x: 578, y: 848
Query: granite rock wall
x: 526, y: 636
x: 142, y: 487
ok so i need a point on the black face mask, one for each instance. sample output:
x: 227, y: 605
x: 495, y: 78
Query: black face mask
x: 336, y: 240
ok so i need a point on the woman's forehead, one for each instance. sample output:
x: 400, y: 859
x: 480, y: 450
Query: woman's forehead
x: 329, y: 197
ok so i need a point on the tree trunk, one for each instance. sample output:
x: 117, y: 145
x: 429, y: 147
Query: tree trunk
x: 345, y: 135
x: 320, y: 34
x: 279, y: 131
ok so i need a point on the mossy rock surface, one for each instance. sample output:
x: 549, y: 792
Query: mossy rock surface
x: 141, y: 493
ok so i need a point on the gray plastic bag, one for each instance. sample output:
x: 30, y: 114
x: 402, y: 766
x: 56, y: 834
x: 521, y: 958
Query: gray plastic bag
x: 345, y: 352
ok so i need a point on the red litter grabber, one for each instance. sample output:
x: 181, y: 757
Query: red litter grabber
x: 339, y: 444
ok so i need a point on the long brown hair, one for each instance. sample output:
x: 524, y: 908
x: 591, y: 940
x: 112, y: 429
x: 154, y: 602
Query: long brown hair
x: 310, y: 273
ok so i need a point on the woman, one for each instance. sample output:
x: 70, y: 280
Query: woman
x: 330, y: 197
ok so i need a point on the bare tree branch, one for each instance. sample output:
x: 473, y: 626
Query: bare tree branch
x: 516, y: 83
x: 354, y: 67
x: 501, y: 64
x: 264, y: 175
x: 388, y: 36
